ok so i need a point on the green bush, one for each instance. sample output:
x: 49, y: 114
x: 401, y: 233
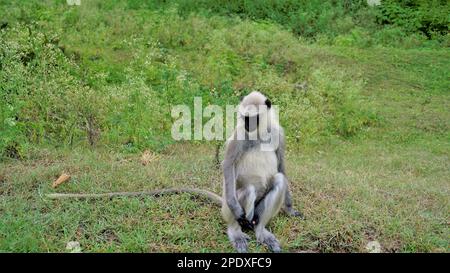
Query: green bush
x: 48, y: 98
x: 357, y: 37
x: 52, y: 98
x: 63, y: 93
x: 430, y: 18
x: 305, y: 17
x: 91, y: 77
x: 331, y: 105
x: 318, y: 19
x: 12, y: 139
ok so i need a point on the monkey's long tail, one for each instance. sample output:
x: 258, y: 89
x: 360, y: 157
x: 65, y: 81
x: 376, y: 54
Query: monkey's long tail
x: 216, y: 199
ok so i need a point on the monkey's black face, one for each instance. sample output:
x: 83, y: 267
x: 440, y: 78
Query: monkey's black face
x: 251, y: 122
x: 252, y: 110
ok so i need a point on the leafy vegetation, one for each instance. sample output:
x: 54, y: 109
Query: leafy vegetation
x: 86, y: 89
x: 406, y: 23
x: 427, y: 17
x: 73, y: 92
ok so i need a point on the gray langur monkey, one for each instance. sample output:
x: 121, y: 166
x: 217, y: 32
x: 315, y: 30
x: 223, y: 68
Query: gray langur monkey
x: 255, y: 186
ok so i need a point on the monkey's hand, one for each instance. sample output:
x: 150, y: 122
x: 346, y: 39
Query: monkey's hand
x: 245, y: 223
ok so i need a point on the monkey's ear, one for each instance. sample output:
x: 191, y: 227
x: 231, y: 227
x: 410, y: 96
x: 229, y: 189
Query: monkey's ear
x: 268, y: 103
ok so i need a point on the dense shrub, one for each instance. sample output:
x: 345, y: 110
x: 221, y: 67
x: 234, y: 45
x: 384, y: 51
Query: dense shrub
x: 44, y: 88
x: 318, y: 19
x: 57, y: 90
x: 47, y: 97
x: 305, y: 17
x: 108, y: 72
x: 430, y: 18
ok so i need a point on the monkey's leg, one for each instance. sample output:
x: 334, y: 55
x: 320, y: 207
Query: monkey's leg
x: 267, y: 208
x: 287, y: 208
x: 247, y: 198
x: 238, y: 238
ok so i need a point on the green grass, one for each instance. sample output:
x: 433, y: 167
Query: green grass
x: 368, y: 142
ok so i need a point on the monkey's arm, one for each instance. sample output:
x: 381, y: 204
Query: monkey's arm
x: 282, y: 169
x: 280, y: 152
x: 229, y: 171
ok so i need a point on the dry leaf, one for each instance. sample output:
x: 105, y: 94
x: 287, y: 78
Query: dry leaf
x: 373, y: 247
x: 147, y: 157
x: 73, y: 247
x: 63, y: 178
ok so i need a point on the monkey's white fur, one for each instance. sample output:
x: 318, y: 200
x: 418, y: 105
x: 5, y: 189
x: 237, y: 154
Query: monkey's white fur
x: 254, y: 103
x: 257, y: 177
x: 257, y: 168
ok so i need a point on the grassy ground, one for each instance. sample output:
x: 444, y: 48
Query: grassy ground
x: 387, y: 181
x: 350, y: 192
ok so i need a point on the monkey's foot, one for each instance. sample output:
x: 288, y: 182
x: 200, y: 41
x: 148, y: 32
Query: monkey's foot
x: 265, y: 237
x: 294, y: 213
x: 240, y: 243
x: 239, y: 239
